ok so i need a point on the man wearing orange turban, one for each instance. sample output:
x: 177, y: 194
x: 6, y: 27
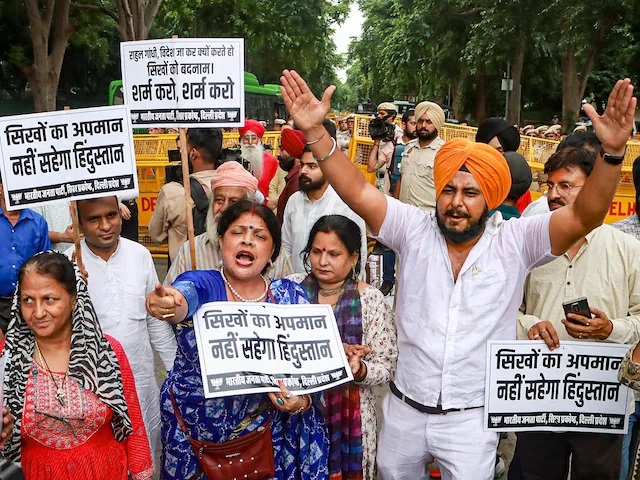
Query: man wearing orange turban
x: 488, y: 167
x: 461, y: 279
x: 489, y: 170
x: 231, y: 183
x: 263, y: 164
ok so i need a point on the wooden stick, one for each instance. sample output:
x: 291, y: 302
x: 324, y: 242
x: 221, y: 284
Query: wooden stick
x: 184, y: 156
x: 76, y: 233
x: 187, y: 196
x: 76, y: 224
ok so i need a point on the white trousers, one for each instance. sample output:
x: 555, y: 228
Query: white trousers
x: 409, y: 440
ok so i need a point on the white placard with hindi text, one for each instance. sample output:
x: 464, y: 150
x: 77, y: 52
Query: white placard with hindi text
x: 184, y: 82
x: 247, y: 347
x: 67, y: 155
x: 573, y: 388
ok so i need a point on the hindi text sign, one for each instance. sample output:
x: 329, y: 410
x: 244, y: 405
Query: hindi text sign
x: 67, y: 155
x: 182, y: 82
x: 247, y: 347
x: 573, y: 388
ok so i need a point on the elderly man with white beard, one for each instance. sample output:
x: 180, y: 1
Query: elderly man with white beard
x: 230, y: 184
x: 262, y: 164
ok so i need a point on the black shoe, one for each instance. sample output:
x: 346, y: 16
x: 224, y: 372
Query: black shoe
x: 386, y: 288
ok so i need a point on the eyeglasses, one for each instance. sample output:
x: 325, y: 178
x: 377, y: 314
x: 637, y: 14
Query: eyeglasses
x: 563, y: 188
x: 381, y: 113
x: 250, y: 139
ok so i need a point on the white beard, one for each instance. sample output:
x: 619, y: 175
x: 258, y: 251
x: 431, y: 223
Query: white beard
x: 212, y: 227
x: 254, y: 154
x: 212, y: 221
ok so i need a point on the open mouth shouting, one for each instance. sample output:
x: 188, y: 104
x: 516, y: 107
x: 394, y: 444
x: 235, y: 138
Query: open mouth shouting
x: 245, y: 258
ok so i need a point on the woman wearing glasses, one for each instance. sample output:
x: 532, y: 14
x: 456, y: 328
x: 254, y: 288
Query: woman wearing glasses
x: 69, y: 388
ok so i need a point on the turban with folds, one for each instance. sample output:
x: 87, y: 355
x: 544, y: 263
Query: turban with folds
x: 436, y: 114
x: 488, y: 167
x: 507, y: 134
x: 293, y: 142
x: 253, y: 126
x: 233, y: 174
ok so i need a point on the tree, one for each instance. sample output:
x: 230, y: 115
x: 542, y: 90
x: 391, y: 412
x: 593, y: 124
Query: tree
x: 583, y: 32
x: 50, y: 30
x: 134, y: 17
x: 278, y: 33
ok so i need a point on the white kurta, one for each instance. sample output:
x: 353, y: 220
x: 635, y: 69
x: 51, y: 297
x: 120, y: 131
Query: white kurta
x: 118, y: 288
x: 301, y: 214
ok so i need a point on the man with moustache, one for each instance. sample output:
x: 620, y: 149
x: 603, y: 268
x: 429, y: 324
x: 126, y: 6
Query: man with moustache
x: 315, y: 199
x: 121, y: 274
x: 462, y: 277
x: 262, y: 164
x: 416, y: 185
x: 230, y: 184
x: 604, y: 267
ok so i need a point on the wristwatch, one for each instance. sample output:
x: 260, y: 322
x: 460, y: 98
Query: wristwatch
x: 612, y: 159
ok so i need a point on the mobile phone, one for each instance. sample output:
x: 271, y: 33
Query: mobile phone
x: 579, y: 306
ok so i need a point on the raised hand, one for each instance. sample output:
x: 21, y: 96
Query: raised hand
x: 614, y: 126
x: 305, y: 109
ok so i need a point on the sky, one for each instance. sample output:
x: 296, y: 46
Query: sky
x: 342, y: 36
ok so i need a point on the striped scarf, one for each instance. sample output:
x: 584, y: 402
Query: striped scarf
x: 92, y: 363
x: 343, y: 402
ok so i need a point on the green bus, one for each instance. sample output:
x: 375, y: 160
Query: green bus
x: 261, y: 102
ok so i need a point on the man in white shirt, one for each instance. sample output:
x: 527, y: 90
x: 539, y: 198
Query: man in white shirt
x: 604, y: 267
x: 120, y: 275
x: 462, y: 279
x: 315, y: 199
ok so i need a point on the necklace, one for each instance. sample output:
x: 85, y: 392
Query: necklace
x: 59, y: 390
x: 240, y: 297
x: 333, y: 291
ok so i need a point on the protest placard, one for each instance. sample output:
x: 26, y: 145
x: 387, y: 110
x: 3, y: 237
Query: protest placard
x: 248, y: 347
x: 181, y: 82
x: 67, y: 155
x: 572, y: 388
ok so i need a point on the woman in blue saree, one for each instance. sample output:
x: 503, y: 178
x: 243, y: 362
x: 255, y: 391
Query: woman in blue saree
x: 249, y: 237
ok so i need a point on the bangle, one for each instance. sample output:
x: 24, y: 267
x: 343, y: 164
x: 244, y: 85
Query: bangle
x: 333, y: 150
x: 361, y: 373
x: 305, y: 406
x: 324, y: 130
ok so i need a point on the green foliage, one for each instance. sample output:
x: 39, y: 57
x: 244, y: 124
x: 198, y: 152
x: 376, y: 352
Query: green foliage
x: 422, y: 48
x: 294, y: 34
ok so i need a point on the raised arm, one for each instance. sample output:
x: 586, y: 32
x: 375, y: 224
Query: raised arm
x: 308, y: 112
x: 572, y: 222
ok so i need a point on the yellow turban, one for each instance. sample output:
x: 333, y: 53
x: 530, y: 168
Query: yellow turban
x: 436, y: 114
x: 488, y: 167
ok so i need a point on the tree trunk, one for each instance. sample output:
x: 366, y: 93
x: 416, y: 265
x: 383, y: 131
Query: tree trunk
x: 50, y: 32
x: 135, y: 18
x: 457, y: 102
x: 513, y: 111
x: 571, y: 95
x: 574, y: 84
x: 481, y: 95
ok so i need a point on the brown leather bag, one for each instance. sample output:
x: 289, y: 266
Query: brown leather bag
x: 246, y: 457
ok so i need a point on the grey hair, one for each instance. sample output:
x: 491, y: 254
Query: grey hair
x: 212, y: 222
